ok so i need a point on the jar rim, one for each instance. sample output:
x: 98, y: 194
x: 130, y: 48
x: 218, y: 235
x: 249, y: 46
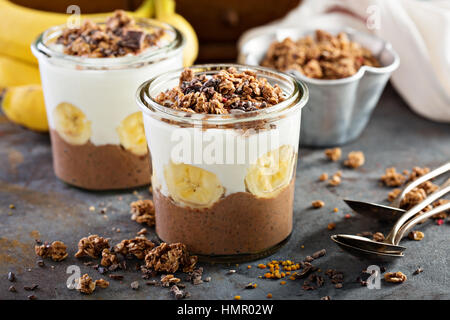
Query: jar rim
x: 296, y: 99
x: 40, y: 47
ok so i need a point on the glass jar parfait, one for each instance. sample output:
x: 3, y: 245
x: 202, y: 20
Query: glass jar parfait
x: 223, y: 184
x: 96, y: 129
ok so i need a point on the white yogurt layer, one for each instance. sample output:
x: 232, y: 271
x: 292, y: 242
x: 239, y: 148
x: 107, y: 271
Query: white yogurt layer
x: 106, y: 97
x: 227, y: 153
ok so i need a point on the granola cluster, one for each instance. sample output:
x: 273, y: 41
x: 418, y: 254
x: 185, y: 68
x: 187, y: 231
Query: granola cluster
x: 86, y: 285
x: 354, y: 159
x: 228, y: 91
x: 139, y: 247
x: 91, y: 246
x: 143, y: 211
x: 108, y: 258
x: 119, y: 36
x: 392, y: 178
x: 169, y: 258
x: 57, y: 250
x: 395, y: 277
x: 325, y: 57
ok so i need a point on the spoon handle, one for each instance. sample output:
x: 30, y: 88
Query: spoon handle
x: 443, y: 190
x: 430, y: 175
x: 411, y: 223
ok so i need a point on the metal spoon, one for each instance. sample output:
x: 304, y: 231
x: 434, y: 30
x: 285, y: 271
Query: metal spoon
x: 393, y: 212
x: 390, y: 244
x: 356, y: 245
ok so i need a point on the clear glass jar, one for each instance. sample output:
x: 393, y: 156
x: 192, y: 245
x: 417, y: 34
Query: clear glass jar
x: 96, y: 129
x: 224, y: 184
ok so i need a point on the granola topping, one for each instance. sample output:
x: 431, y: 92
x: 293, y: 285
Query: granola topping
x: 169, y: 258
x: 228, y: 91
x: 143, y: 211
x: 169, y: 279
x: 119, y: 36
x: 317, y: 204
x: 325, y: 57
x: 57, y: 250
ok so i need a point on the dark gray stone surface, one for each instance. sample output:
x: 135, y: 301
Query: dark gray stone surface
x: 51, y: 210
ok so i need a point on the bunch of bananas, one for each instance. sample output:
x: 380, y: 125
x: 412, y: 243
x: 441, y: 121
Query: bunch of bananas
x: 23, y: 101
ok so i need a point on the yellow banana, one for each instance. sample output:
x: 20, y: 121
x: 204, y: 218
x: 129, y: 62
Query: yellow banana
x: 165, y: 12
x: 271, y: 172
x: 14, y: 72
x: 25, y: 106
x: 192, y: 186
x: 132, y: 135
x: 21, y: 25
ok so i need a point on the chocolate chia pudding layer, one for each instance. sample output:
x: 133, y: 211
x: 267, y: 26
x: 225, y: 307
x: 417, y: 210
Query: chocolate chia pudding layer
x: 102, y: 167
x: 240, y: 223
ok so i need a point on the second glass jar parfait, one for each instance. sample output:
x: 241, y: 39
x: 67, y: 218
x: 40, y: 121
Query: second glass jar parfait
x: 223, y: 184
x: 89, y: 78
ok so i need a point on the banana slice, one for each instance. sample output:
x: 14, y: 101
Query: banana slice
x: 271, y: 172
x: 71, y: 124
x: 132, y: 134
x: 192, y: 186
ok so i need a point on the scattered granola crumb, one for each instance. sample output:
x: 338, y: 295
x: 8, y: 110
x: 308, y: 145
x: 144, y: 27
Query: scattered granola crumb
x: 269, y: 296
x: 417, y: 271
x: 237, y: 297
x: 326, y: 298
x: 196, y: 276
x: 412, y: 198
x: 416, y: 235
x: 355, y: 159
x: 317, y: 204
x: 333, y: 154
x: 143, y: 211
x: 331, y: 226
x: 378, y: 236
x: 392, y: 178
x: 169, y: 279
x: 91, y: 246
x: 323, y: 177
x: 417, y: 172
x: 108, y: 258
x: 142, y: 232
x: 134, y: 285
x: 101, y: 283
x: 57, y: 250
x: 12, y: 289
x: 139, y: 247
x: 11, y: 206
x: 179, y: 294
x: 169, y: 258
x: 395, y: 277
x: 91, y: 208
x: 85, y: 284
x: 394, y: 194
x: 335, y: 210
x: 335, y: 180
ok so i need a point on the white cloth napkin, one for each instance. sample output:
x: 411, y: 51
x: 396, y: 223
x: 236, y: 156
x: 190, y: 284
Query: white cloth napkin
x: 418, y: 30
